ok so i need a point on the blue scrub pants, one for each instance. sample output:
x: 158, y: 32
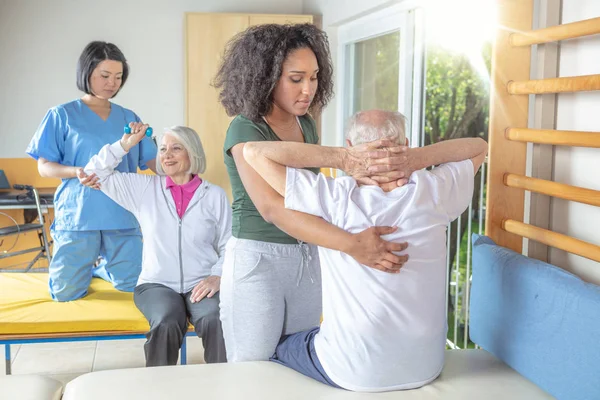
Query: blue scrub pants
x: 76, y: 252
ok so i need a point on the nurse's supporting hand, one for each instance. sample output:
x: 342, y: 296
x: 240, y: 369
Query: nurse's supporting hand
x: 87, y: 180
x: 368, y: 248
x: 138, y: 132
x: 207, y: 287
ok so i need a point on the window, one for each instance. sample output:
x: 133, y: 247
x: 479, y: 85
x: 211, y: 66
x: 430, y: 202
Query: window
x: 375, y: 72
x: 379, y: 58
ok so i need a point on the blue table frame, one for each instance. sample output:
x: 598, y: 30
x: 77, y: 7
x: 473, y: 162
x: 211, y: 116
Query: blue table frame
x: 100, y: 336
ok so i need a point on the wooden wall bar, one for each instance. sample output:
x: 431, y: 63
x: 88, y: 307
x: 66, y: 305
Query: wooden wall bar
x: 554, y: 137
x: 582, y: 83
x: 560, y: 190
x: 507, y: 156
x: 560, y: 241
x: 555, y: 33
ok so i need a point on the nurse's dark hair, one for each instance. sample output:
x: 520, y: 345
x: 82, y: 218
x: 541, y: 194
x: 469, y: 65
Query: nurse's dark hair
x: 93, y: 54
x: 252, y: 64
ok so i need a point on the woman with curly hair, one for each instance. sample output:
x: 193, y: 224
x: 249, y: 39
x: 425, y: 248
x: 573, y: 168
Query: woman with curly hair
x: 271, y: 78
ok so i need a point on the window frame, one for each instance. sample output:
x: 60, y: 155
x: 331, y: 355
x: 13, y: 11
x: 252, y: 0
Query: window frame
x: 408, y: 20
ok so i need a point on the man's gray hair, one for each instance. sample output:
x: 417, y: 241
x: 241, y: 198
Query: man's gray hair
x: 367, y: 126
x: 191, y: 142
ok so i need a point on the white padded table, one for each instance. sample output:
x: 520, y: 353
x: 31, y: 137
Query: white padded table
x: 29, y: 387
x: 468, y: 374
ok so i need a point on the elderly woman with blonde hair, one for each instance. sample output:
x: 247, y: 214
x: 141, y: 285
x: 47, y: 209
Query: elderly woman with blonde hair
x: 185, y: 223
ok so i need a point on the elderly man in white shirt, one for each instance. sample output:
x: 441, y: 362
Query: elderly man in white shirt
x: 380, y: 331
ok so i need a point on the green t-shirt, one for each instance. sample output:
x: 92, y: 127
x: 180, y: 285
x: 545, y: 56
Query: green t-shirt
x: 247, y: 221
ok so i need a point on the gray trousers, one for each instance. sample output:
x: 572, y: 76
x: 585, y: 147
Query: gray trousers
x: 168, y: 312
x: 267, y: 290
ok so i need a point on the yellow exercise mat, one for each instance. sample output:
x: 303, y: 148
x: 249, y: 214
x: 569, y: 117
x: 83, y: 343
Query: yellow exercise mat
x: 26, y: 308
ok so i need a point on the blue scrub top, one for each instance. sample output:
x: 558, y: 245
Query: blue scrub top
x: 71, y: 134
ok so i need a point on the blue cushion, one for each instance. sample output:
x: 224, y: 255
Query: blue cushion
x: 539, y: 319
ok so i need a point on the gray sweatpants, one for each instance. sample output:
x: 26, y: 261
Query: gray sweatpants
x: 167, y: 312
x: 267, y: 290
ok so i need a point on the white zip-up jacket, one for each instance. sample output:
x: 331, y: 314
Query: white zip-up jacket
x: 178, y: 252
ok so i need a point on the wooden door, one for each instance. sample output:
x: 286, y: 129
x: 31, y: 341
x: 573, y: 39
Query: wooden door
x: 259, y: 19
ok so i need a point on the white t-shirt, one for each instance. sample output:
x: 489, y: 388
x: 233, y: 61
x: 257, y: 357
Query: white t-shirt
x: 384, y: 331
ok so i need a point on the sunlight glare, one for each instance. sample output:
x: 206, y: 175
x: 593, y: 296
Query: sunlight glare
x: 460, y: 25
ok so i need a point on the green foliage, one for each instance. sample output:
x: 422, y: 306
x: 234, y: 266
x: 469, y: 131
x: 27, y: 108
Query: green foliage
x: 376, y: 65
x: 454, y: 86
x: 457, y: 105
x: 387, y: 59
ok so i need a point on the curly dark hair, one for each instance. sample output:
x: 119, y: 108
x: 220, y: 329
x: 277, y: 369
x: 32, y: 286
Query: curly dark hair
x: 252, y: 65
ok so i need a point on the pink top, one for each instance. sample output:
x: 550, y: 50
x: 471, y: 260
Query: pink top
x: 182, y: 194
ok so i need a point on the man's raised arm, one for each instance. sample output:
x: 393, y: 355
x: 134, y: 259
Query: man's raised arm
x: 269, y: 159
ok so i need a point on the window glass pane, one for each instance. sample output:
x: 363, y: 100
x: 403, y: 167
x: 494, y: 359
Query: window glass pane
x: 375, y: 75
x: 457, y: 106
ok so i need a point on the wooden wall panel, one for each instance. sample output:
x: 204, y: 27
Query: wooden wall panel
x: 506, y: 110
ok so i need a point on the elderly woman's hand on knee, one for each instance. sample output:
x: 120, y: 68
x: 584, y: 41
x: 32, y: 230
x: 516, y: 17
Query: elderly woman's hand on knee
x: 207, y: 287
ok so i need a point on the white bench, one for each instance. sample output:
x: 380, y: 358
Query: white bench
x: 29, y: 387
x: 468, y: 374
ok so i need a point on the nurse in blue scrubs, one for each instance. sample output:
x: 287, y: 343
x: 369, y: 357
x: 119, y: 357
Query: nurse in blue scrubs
x: 87, y: 223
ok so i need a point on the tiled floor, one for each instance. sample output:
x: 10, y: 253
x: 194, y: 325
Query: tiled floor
x: 66, y: 361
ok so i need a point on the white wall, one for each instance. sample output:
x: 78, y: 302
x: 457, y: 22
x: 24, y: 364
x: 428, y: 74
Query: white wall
x: 578, y: 166
x: 41, y: 40
x: 335, y: 12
